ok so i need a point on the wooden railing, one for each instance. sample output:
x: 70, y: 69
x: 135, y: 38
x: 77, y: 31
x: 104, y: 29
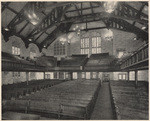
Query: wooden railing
x: 140, y: 56
x: 18, y: 66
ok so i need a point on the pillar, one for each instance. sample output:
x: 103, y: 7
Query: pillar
x: 27, y: 77
x: 57, y: 75
x: 128, y: 76
x: 136, y: 78
x: 97, y: 75
x: 71, y: 76
x: 44, y: 74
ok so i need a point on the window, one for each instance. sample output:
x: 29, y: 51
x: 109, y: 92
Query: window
x: 59, y: 48
x: 66, y: 75
x: 16, y: 74
x: 122, y: 76
x: 15, y: 50
x: 32, y: 55
x: 85, y: 46
x: 94, y: 74
x: 96, y: 45
x: 49, y: 75
x: 75, y: 75
x: 91, y: 45
x: 83, y: 75
x: 120, y: 54
x: 88, y: 75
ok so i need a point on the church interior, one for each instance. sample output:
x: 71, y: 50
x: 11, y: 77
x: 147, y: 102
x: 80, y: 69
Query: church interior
x: 74, y: 60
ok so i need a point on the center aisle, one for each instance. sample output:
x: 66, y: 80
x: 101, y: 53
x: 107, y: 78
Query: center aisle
x: 103, y: 108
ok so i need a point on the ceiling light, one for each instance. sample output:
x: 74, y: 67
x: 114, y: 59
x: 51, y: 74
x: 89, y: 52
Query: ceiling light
x: 44, y: 46
x: 30, y: 17
x: 110, y: 6
x: 30, y: 39
x: 134, y: 38
x: 34, y: 15
x: 143, y: 28
x: 6, y: 29
x: 108, y: 34
x: 34, y: 22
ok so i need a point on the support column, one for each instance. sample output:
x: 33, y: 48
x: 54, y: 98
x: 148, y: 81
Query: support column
x: 57, y: 75
x: 128, y: 76
x: 97, y: 75
x: 27, y: 77
x: 71, y: 76
x: 44, y: 75
x: 136, y: 78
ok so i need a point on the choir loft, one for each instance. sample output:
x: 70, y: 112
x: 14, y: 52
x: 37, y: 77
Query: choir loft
x: 74, y: 60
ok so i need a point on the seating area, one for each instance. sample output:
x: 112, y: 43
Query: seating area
x: 74, y: 60
x: 20, y: 89
x: 103, y: 62
x: 69, y: 99
x: 128, y: 101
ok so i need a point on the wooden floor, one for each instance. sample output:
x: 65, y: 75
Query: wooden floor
x: 103, y: 108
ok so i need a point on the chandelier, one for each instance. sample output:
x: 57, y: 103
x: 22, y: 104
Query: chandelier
x: 108, y: 35
x: 78, y: 29
x: 110, y: 6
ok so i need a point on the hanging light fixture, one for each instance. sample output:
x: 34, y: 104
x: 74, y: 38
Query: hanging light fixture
x: 108, y: 35
x: 63, y: 40
x: 78, y: 29
x: 110, y: 6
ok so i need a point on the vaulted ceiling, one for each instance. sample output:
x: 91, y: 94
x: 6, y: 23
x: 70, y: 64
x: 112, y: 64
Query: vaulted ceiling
x: 42, y: 22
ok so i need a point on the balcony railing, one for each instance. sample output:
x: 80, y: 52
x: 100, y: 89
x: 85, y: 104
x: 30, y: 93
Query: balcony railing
x: 140, y: 56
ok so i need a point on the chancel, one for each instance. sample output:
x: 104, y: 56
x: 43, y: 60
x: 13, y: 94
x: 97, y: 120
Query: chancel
x: 74, y: 60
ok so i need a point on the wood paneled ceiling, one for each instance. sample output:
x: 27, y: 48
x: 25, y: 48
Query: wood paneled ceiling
x: 42, y: 22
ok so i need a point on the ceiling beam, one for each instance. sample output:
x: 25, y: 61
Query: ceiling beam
x: 77, y: 10
x: 92, y: 8
x: 139, y: 13
x: 40, y: 27
x: 23, y: 27
x: 11, y: 9
x: 82, y: 9
x: 20, y: 14
x: 4, y: 5
x: 88, y: 29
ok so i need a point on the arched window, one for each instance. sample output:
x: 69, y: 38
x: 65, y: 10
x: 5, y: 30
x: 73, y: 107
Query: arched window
x: 96, y: 45
x: 32, y: 53
x: 59, y: 48
x: 85, y: 46
x: 15, y: 48
x: 91, y: 44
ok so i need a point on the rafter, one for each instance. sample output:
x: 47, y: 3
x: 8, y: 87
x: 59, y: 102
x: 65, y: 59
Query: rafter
x: 11, y: 9
x: 81, y: 9
x: 92, y: 8
x: 53, y: 35
x: 139, y: 13
x: 23, y: 27
x: 77, y: 10
x: 52, y: 19
x: 17, y: 17
x: 5, y: 5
